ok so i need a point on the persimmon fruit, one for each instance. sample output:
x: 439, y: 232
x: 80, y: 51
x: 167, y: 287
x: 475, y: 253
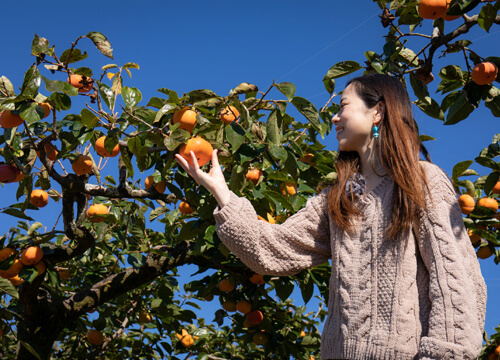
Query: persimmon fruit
x: 260, y: 338
x: 229, y: 306
x: 82, y: 165
x: 243, y: 306
x: 225, y: 285
x: 474, y: 237
x: 449, y: 17
x: 31, y: 255
x: 185, y: 208
x: 489, y: 203
x: 432, y: 9
x: 40, y: 267
x: 94, y: 211
x: 307, y: 158
x: 187, y: 119
x: 229, y: 114
x: 254, y: 317
x: 145, y: 317
x: 288, y: 188
x: 202, y: 150
x: 95, y: 337
x: 50, y: 151
x: 64, y: 274
x: 101, y: 150
x: 39, y: 198
x: 81, y: 82
x: 467, y: 204
x: 9, y: 120
x: 6, y: 252
x: 47, y: 108
x: 496, y: 188
x: 257, y: 279
x: 484, y: 73
x: 8, y: 173
x: 484, y: 252
x: 16, y: 280
x: 253, y: 175
x: 160, y: 187
x: 13, y: 270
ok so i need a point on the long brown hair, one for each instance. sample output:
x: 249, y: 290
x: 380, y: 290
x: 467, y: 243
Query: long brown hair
x: 398, y: 150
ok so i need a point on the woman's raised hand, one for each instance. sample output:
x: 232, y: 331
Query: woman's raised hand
x: 213, y: 181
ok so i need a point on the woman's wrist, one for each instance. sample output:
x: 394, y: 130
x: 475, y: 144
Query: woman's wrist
x: 222, y: 196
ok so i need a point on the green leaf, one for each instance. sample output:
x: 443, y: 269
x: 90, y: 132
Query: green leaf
x: 460, y: 110
x: 40, y: 45
x: 131, y: 65
x: 157, y: 212
x: 16, y: 213
x: 59, y: 86
x: 451, y: 72
x: 287, y: 89
x: 101, y: 42
x: 172, y: 95
x: 235, y: 135
x: 420, y: 89
x: 136, y: 147
x: 60, y: 101
x: 426, y: 138
x: 31, y: 82
x: 6, y: 86
x: 491, y: 181
x: 76, y: 55
x: 462, y: 6
x: 307, y: 288
x: 487, y: 16
x: 487, y: 162
x: 432, y: 110
x: 109, y: 66
x: 342, y: 68
x: 494, y: 106
x: 274, y: 127
x: 31, y: 112
x: 131, y: 96
x: 31, y: 348
x: 244, y: 88
x: 459, y: 168
x: 107, y: 95
x: 89, y: 119
x: 7, y: 287
x: 306, y: 108
x: 284, y: 287
x: 136, y: 260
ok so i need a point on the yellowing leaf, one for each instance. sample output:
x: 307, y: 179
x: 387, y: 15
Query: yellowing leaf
x: 110, y: 75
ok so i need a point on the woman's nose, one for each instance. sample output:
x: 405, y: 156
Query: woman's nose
x: 335, y: 118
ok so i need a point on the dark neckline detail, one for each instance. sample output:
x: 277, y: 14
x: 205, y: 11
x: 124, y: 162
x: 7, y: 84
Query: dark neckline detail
x: 375, y: 191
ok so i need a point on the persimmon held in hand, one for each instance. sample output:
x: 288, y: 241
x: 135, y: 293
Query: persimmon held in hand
x: 202, y: 150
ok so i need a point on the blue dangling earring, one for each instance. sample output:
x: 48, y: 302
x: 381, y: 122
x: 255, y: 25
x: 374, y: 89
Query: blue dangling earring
x: 375, y: 132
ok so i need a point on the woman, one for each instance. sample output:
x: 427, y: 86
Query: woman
x: 405, y: 282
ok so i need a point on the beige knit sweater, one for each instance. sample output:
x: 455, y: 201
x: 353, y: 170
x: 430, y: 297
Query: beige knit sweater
x: 412, y: 298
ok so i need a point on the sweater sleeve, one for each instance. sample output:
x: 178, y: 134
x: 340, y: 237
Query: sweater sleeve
x: 302, y: 241
x: 457, y: 291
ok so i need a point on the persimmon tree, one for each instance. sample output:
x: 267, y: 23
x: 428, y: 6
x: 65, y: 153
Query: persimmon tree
x: 113, y: 268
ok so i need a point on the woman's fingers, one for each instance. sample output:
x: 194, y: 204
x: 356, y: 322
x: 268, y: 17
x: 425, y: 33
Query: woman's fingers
x: 215, y: 159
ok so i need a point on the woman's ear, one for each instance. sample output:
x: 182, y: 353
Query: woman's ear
x: 379, y: 112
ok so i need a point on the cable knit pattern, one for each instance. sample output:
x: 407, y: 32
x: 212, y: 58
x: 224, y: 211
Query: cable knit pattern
x: 419, y: 296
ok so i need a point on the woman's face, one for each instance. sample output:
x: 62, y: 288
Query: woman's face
x: 354, y: 122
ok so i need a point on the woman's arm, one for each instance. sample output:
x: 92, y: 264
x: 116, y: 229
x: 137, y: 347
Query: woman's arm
x: 301, y: 242
x: 457, y: 291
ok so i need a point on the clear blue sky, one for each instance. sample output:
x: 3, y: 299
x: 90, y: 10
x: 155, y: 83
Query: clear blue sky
x: 187, y: 45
